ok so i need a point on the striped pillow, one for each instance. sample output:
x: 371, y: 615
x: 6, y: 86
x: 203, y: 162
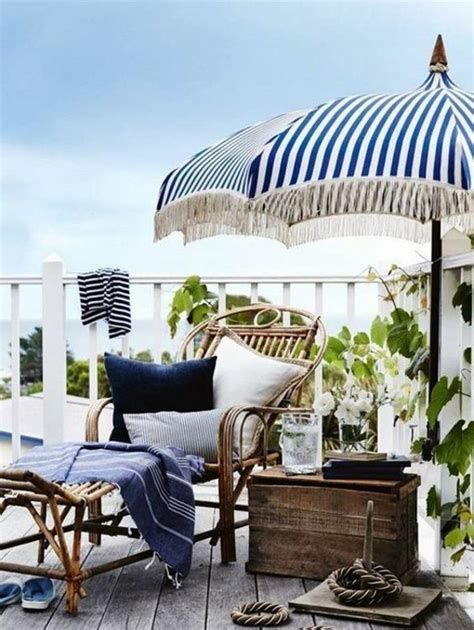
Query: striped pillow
x: 196, y: 432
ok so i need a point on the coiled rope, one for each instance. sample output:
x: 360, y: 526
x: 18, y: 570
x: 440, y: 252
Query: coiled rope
x: 357, y: 586
x: 260, y: 614
x: 364, y: 583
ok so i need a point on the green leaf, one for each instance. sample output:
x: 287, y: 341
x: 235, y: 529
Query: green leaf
x: 334, y: 350
x: 398, y: 340
x: 442, y: 393
x: 417, y: 446
x: 412, y: 405
x: 345, y: 334
x: 467, y: 354
x: 463, y: 299
x: 173, y: 320
x: 199, y: 314
x: 457, y: 555
x: 361, y: 338
x: 448, y: 510
x: 433, y: 503
x: 400, y: 316
x: 455, y: 537
x: 464, y: 484
x: 340, y: 364
x: 456, y: 449
x: 182, y: 301
x: 360, y: 369
x: 419, y: 363
x: 417, y: 341
x: 378, y: 331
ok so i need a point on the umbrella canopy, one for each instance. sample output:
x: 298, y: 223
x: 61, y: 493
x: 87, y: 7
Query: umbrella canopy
x: 353, y: 166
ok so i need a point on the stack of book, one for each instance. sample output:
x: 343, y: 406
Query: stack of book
x: 384, y: 469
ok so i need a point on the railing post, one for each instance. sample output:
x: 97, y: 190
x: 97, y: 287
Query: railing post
x: 351, y: 304
x: 157, y: 321
x: 15, y: 366
x: 54, y: 350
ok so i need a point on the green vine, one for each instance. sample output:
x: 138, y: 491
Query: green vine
x: 455, y: 451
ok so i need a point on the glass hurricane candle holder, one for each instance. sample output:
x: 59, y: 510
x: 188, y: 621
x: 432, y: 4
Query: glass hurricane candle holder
x: 300, y: 442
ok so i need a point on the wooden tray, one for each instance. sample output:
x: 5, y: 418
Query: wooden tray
x: 405, y: 610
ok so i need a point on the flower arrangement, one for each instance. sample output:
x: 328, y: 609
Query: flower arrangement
x: 354, y: 408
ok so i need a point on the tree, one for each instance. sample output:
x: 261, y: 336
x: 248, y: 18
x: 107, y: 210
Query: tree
x: 31, y: 357
x: 78, y: 378
x: 78, y: 374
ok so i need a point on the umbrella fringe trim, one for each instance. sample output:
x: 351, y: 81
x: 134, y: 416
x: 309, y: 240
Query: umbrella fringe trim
x: 296, y: 215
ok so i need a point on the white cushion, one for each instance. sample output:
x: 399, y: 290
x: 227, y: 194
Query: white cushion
x: 196, y: 432
x: 244, y: 377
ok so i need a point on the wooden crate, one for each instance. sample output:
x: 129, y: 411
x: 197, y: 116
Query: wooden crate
x: 306, y: 526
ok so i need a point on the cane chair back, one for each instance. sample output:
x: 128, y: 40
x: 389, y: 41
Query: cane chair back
x: 281, y: 332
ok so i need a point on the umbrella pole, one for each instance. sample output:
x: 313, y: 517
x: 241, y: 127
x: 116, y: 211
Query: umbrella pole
x: 436, y: 264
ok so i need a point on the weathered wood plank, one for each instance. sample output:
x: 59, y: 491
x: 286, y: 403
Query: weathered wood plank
x: 14, y: 616
x: 280, y: 590
x: 313, y: 555
x: 186, y: 608
x: 130, y: 598
x: 229, y: 586
x: 99, y: 589
x: 134, y: 599
x: 333, y: 622
x: 15, y: 523
x: 448, y: 613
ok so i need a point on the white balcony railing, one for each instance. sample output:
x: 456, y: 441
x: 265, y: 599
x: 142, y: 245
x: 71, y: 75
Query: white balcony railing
x: 309, y: 291
x: 55, y: 285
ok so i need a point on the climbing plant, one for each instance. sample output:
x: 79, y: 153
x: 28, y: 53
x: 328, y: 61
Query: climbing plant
x: 455, y: 451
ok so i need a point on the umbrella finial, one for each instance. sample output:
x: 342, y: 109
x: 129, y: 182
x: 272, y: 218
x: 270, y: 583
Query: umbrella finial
x: 439, y: 61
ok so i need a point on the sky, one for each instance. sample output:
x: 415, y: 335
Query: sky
x: 100, y: 100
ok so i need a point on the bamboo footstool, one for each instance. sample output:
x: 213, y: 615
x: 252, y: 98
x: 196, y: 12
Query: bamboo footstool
x: 40, y: 497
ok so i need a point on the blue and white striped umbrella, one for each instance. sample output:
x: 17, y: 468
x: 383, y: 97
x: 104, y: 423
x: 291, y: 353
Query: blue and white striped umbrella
x: 356, y: 165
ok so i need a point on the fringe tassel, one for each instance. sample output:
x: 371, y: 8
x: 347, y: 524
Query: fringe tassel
x: 297, y: 215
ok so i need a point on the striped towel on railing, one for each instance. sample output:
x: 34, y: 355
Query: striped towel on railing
x: 105, y: 294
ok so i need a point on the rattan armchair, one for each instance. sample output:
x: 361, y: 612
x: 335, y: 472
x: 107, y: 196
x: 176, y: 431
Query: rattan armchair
x: 274, y: 331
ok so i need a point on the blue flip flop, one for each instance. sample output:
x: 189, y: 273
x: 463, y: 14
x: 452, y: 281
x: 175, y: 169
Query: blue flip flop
x: 37, y: 593
x: 10, y: 593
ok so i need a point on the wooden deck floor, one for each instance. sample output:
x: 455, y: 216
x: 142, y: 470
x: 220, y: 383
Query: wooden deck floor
x: 132, y: 598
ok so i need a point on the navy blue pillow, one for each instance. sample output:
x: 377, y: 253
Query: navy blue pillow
x: 138, y: 387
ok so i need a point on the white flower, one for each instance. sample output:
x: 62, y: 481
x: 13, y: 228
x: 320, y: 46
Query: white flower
x: 349, y: 359
x: 363, y: 405
x: 365, y: 395
x: 347, y: 411
x: 324, y: 404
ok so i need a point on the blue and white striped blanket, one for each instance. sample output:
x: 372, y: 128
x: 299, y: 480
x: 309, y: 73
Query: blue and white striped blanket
x: 155, y: 484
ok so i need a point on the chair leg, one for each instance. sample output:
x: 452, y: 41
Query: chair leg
x: 241, y: 483
x: 95, y: 509
x: 226, y: 517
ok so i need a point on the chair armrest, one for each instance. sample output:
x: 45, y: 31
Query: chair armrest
x: 92, y: 419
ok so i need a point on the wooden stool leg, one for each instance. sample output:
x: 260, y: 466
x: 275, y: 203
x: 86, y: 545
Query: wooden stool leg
x: 42, y: 541
x: 95, y: 509
x: 74, y: 589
